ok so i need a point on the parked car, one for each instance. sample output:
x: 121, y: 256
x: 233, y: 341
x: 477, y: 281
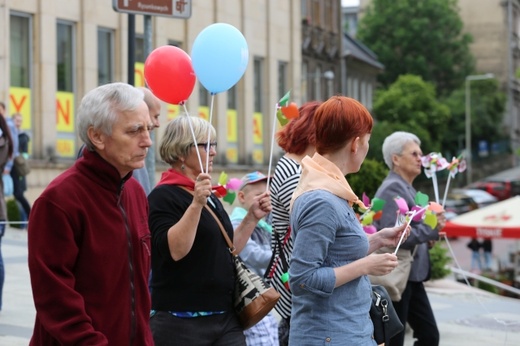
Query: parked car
x: 481, y: 197
x: 459, y: 203
x: 501, y: 189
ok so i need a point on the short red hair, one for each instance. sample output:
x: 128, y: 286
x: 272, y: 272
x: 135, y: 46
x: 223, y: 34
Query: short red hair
x: 339, y: 120
x: 299, y: 133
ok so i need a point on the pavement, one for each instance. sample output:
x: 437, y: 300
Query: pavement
x: 465, y: 315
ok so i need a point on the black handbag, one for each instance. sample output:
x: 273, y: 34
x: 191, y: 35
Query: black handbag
x: 386, y: 322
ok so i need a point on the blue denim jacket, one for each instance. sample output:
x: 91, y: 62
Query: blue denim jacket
x: 327, y: 235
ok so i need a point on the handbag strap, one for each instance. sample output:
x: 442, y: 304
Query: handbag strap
x: 222, y: 229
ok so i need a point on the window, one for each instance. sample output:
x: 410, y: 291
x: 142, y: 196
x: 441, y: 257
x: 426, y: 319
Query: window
x: 232, y: 98
x: 282, y: 78
x: 203, y: 95
x: 20, y: 50
x: 140, y: 55
x: 65, y: 58
x: 105, y: 56
x: 258, y: 83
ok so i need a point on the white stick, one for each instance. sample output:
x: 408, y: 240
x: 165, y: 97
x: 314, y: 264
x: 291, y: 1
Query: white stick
x: 272, y: 148
x: 446, y: 191
x: 193, y: 136
x: 415, y: 212
x: 434, y: 180
x: 404, y: 232
x: 208, y: 146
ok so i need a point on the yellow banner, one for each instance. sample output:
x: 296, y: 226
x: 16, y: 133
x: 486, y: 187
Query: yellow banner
x: 139, y: 80
x: 65, y: 111
x: 232, y: 136
x: 173, y: 111
x: 258, y: 156
x: 65, y: 147
x: 20, y: 102
x: 204, y: 112
x: 232, y: 155
x: 258, y: 128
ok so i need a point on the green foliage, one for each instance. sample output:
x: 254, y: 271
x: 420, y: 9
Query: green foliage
x: 439, y: 261
x: 424, y: 38
x: 368, y: 179
x: 13, y: 213
x: 487, y: 110
x: 410, y: 105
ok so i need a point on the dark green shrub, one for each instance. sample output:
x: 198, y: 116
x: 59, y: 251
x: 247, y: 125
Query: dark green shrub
x: 439, y: 261
x: 367, y: 180
x: 13, y: 213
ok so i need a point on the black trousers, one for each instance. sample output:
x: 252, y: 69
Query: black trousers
x: 214, y: 330
x: 18, y: 189
x: 415, y: 309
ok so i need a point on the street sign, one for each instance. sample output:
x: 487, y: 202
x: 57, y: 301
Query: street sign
x: 166, y: 8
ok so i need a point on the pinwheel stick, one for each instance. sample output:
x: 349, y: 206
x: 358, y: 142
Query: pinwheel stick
x: 434, y: 180
x: 407, y: 224
x: 446, y: 191
x: 272, y: 148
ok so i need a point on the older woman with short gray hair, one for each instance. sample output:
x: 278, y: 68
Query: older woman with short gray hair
x: 402, y: 154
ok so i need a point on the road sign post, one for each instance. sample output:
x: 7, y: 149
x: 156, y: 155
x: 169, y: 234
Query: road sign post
x: 165, y: 8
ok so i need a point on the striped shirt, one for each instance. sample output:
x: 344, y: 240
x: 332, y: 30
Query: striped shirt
x: 286, y: 177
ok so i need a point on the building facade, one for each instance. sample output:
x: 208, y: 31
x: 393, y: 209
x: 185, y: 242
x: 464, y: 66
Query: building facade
x: 54, y: 51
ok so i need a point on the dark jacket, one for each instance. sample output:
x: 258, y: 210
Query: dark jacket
x: 89, y: 258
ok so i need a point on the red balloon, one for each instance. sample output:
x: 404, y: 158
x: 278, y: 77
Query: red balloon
x: 169, y: 74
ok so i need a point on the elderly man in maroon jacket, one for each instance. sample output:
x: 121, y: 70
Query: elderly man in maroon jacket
x: 89, y: 243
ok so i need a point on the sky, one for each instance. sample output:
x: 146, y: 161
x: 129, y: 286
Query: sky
x: 349, y: 2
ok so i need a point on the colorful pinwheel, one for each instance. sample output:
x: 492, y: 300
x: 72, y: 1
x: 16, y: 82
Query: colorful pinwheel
x: 432, y: 163
x: 368, y: 212
x: 457, y: 164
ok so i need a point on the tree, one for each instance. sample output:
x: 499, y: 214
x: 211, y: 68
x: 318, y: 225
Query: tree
x: 418, y: 37
x: 367, y: 180
x: 409, y: 104
x: 487, y: 111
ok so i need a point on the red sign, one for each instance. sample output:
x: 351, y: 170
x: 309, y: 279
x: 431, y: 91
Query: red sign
x: 167, y: 8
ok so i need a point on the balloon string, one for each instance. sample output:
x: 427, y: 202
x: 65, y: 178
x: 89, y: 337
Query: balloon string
x: 193, y: 136
x: 208, y: 145
x: 272, y: 149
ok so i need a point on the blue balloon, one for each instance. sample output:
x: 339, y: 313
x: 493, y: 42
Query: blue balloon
x: 219, y: 57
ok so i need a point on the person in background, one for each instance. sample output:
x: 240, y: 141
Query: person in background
x: 256, y: 254
x: 402, y: 154
x: 297, y: 140
x: 487, y: 247
x: 331, y: 261
x: 6, y: 150
x: 20, y: 184
x: 193, y: 275
x: 476, y: 259
x: 88, y: 239
x: 154, y: 110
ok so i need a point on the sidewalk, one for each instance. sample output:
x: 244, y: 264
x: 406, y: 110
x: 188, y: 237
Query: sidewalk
x: 465, y: 315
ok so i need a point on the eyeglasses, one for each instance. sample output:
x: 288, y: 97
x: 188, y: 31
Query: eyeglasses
x: 416, y: 154
x: 205, y: 146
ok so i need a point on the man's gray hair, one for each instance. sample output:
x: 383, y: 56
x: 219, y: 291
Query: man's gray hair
x: 101, y: 106
x: 395, y: 143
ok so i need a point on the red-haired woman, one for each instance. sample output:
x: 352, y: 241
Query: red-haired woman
x: 331, y: 292
x: 297, y: 140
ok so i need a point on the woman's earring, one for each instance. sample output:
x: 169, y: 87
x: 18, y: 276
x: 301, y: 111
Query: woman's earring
x: 183, y: 167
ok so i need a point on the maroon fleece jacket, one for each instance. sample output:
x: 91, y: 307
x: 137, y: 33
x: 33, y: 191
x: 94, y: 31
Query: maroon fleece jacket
x: 89, y: 258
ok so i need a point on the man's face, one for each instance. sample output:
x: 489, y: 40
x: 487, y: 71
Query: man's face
x: 155, y: 112
x: 126, y: 148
